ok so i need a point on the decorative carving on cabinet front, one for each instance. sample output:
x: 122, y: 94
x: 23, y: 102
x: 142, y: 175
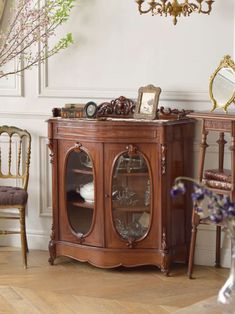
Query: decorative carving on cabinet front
x: 164, y: 243
x: 51, y: 148
x: 77, y: 147
x: 163, y: 158
x: 132, y: 150
x: 121, y: 106
x: 131, y: 243
x: 81, y: 238
x: 165, y: 254
x: 51, y: 246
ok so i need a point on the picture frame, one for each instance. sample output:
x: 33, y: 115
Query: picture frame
x: 147, y: 102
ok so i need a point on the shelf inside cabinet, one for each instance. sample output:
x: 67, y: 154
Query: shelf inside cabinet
x: 131, y: 174
x: 137, y: 209
x: 75, y: 199
x: 83, y: 171
x: 82, y: 204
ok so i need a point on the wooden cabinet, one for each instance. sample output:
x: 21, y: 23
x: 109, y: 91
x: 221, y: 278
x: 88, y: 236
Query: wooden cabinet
x: 111, y: 191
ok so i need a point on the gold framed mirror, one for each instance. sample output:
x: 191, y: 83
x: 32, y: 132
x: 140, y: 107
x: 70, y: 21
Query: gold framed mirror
x: 222, y: 84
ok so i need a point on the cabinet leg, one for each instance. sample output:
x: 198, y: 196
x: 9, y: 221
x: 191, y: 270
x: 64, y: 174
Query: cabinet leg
x: 165, y: 266
x: 165, y: 271
x: 52, y: 252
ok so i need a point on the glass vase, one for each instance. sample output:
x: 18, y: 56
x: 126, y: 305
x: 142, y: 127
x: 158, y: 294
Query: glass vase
x: 226, y: 294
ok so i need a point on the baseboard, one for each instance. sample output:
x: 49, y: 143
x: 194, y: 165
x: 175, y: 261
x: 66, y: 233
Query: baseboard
x: 35, y: 241
x: 204, y: 255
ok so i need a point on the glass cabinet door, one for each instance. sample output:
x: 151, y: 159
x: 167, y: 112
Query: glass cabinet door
x: 131, y: 196
x: 80, y: 196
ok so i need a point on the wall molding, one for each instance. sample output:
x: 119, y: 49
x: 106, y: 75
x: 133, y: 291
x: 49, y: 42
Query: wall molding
x: 36, y: 240
x: 25, y: 115
x: 45, y: 91
x: 206, y: 256
x: 17, y: 90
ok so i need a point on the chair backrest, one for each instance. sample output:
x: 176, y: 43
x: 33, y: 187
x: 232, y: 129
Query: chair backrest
x: 15, y: 146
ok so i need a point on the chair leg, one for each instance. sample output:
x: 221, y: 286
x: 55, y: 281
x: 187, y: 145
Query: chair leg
x: 195, y: 223
x: 27, y: 247
x: 218, y: 243
x: 23, y: 236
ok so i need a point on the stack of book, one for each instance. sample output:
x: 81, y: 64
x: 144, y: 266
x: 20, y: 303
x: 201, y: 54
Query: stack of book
x: 73, y: 111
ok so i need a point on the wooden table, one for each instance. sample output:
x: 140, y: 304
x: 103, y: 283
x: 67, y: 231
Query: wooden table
x: 221, y: 123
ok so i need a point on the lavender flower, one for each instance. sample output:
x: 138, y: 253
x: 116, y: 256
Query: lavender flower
x: 220, y: 208
x: 178, y: 189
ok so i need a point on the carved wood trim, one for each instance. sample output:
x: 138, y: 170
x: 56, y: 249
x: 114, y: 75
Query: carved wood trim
x: 50, y: 145
x: 78, y: 147
x: 121, y: 106
x: 163, y: 158
x: 132, y: 150
x: 165, y: 254
x: 131, y: 243
x: 164, y: 241
x: 51, y: 246
x: 171, y: 113
x: 218, y: 125
x: 81, y: 238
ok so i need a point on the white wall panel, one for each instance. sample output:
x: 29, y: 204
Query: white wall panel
x: 11, y: 86
x: 119, y: 50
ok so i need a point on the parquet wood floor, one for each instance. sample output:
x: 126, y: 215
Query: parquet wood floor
x: 72, y: 287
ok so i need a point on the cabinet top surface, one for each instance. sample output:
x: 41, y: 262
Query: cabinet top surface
x: 121, y: 121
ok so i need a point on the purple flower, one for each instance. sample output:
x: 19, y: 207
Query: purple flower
x: 178, y: 189
x: 220, y: 209
x: 199, y: 209
x: 216, y: 218
x: 198, y: 196
x: 231, y: 210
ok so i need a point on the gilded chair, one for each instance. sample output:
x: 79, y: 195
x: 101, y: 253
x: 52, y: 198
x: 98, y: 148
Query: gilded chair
x: 15, y: 150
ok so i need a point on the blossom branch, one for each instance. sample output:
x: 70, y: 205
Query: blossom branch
x: 33, y: 24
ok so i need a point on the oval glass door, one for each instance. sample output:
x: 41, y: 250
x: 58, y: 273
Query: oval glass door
x: 131, y: 197
x: 80, y: 196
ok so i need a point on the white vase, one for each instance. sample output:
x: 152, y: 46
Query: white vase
x: 226, y: 294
